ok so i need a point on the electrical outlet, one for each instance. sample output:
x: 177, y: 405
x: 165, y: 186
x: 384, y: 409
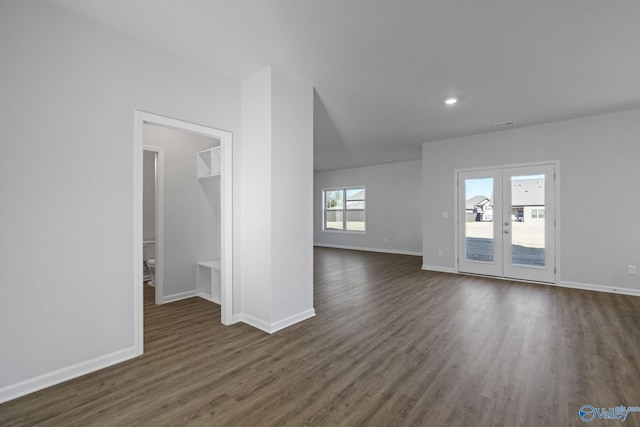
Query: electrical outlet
x: 632, y: 269
x: 440, y: 252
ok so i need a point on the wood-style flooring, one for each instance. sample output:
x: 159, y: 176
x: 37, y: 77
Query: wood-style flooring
x: 390, y: 345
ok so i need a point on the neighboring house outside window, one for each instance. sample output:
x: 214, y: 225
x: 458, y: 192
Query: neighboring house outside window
x: 344, y: 209
x: 537, y: 213
x: 527, y: 199
x: 479, y: 208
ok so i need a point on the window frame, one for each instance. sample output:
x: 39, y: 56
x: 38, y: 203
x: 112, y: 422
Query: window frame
x: 344, y: 210
x: 536, y: 212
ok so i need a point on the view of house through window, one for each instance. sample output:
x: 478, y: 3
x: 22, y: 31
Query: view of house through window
x: 344, y: 209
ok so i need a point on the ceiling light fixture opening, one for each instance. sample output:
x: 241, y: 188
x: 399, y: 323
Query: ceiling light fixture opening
x: 451, y: 101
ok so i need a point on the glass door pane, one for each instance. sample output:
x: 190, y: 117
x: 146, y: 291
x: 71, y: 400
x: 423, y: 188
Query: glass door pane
x: 479, y: 232
x: 479, y: 238
x: 527, y: 220
x: 529, y: 223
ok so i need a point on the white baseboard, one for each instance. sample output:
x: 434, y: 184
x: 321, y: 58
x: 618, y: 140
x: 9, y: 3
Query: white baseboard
x: 255, y: 322
x: 599, y: 288
x: 291, y: 320
x: 208, y: 297
x: 561, y: 283
x: 13, y: 391
x: 237, y: 317
x: 179, y: 296
x: 270, y: 328
x: 358, y: 248
x: 439, y: 269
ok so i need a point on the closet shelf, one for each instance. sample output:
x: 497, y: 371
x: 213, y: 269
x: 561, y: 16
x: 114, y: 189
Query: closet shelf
x: 213, y: 264
x: 208, y: 280
x: 208, y: 163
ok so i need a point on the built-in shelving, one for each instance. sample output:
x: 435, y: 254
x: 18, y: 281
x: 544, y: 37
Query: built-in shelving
x: 214, y: 264
x: 208, y: 280
x: 208, y: 273
x: 208, y: 163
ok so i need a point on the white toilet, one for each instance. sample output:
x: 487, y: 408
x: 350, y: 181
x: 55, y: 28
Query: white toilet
x: 151, y: 265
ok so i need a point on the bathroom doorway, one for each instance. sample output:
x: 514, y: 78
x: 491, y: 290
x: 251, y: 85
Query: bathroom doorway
x: 211, y: 178
x: 153, y: 220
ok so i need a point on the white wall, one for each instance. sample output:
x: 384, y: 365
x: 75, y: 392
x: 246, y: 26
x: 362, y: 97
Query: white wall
x: 69, y: 90
x: 191, y: 208
x: 291, y: 203
x: 599, y: 204
x: 277, y: 165
x: 393, y: 207
x: 255, y: 212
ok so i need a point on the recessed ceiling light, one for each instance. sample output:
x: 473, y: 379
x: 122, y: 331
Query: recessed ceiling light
x: 450, y: 101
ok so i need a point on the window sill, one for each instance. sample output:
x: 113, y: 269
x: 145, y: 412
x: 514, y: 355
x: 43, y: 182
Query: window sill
x: 361, y: 233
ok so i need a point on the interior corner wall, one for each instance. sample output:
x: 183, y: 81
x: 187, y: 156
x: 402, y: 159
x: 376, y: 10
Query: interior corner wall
x: 598, y: 156
x: 393, y: 207
x: 191, y: 208
x: 69, y: 89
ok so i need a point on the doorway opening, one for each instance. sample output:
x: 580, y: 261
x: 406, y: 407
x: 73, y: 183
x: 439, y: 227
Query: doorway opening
x: 221, y: 186
x: 153, y: 220
x: 507, y: 221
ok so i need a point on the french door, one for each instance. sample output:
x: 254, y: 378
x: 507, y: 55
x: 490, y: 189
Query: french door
x: 506, y: 222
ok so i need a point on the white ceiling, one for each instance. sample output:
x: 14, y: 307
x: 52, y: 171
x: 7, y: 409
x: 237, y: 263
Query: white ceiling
x: 382, y: 69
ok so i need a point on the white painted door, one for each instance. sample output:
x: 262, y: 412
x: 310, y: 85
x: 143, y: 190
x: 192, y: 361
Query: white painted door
x: 506, y: 222
x: 480, y: 231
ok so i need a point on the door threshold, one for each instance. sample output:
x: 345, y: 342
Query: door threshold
x: 511, y: 279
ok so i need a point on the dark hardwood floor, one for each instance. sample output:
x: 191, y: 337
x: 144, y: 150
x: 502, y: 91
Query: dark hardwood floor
x: 390, y: 345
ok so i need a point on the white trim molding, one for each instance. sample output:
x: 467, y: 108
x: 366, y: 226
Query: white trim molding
x: 255, y: 322
x: 226, y: 218
x: 358, y: 248
x: 208, y: 297
x: 291, y: 320
x: 598, y: 288
x: 49, y: 379
x: 271, y: 328
x: 179, y: 296
x: 439, y: 269
x: 561, y: 283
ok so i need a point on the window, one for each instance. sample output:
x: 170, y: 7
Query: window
x: 344, y: 209
x: 537, y: 213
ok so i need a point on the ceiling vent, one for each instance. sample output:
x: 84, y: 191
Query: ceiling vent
x: 503, y: 124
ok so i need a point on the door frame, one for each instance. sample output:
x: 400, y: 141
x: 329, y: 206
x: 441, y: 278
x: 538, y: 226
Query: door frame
x: 557, y: 239
x: 226, y: 218
x: 159, y: 226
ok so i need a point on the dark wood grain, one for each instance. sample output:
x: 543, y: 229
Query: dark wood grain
x: 390, y: 345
